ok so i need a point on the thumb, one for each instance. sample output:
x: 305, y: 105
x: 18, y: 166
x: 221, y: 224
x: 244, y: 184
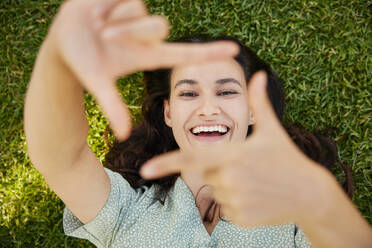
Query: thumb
x: 260, y: 104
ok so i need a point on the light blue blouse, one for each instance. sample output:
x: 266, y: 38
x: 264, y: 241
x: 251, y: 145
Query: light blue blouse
x: 131, y: 218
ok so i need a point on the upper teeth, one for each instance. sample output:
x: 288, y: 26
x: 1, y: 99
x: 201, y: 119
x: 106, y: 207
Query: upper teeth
x: 216, y: 128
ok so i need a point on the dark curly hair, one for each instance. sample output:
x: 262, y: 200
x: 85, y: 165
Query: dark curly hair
x: 152, y: 136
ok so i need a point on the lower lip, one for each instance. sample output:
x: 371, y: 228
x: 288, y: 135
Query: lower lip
x: 209, y: 138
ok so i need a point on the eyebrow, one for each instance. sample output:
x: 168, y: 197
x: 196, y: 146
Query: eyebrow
x: 219, y: 81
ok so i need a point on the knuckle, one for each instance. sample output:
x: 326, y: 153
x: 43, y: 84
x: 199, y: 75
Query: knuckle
x: 161, y: 20
x: 135, y: 8
x: 141, y: 6
x: 162, y: 24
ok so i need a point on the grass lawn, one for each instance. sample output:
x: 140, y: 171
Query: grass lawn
x: 319, y: 48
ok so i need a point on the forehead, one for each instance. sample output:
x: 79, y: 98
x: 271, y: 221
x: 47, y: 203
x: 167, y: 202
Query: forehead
x: 208, y: 71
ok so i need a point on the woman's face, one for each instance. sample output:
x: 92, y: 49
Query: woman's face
x: 208, y: 104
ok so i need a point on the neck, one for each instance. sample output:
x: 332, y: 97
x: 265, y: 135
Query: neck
x: 201, y: 191
x: 194, y: 181
x: 202, y: 194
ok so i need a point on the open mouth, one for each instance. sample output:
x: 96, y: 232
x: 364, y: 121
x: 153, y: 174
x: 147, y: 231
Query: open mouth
x: 211, y: 131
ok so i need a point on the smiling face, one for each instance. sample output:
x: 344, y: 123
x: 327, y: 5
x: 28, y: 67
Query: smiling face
x: 208, y: 104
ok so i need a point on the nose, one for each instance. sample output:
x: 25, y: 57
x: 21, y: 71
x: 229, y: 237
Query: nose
x: 208, y: 107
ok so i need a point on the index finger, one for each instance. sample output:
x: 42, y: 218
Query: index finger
x: 174, y: 162
x: 172, y: 54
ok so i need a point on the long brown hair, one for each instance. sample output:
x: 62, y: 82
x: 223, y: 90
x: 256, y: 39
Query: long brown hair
x: 152, y: 136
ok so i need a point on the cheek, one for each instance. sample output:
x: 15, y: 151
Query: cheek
x: 239, y: 110
x: 179, y: 114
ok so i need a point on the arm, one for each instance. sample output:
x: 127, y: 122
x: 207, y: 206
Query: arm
x: 78, y: 54
x: 56, y: 131
x: 338, y: 223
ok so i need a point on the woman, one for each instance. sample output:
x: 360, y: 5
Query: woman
x: 91, y: 44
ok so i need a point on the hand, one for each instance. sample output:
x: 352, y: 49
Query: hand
x: 264, y: 181
x: 101, y: 40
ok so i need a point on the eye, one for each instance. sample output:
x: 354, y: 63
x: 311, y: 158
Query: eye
x: 226, y: 92
x: 188, y: 94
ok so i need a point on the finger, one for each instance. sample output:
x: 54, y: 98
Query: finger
x: 149, y: 28
x: 260, y: 104
x: 172, y: 54
x: 174, y: 162
x: 115, y: 110
x: 110, y: 10
x: 125, y: 10
x: 169, y: 163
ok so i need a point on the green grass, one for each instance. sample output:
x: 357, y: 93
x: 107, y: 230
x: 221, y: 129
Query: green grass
x: 320, y: 48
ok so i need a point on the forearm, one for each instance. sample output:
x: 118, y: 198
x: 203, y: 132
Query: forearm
x: 55, y: 124
x: 339, y: 223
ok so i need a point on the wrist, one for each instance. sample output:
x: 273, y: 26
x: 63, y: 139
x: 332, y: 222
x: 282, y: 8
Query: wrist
x: 330, y: 219
x: 316, y: 196
x: 49, y: 59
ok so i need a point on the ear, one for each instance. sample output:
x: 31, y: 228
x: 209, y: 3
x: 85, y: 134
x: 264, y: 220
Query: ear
x: 167, y: 117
